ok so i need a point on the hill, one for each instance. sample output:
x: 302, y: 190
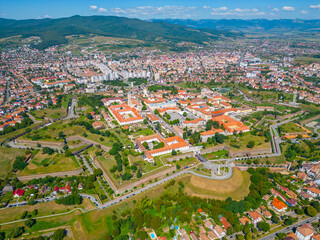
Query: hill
x: 53, y: 31
x: 279, y: 26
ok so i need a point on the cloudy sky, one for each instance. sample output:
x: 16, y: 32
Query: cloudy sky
x: 147, y: 9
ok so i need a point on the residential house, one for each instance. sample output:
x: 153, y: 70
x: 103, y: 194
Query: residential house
x: 18, y: 193
x: 212, y: 235
x: 219, y: 231
x: 305, y: 195
x: 193, y: 236
x: 304, y: 232
x: 243, y: 220
x: 225, y: 223
x: 208, y: 224
x: 279, y: 205
x: 204, y: 236
x: 255, y: 217
x: 314, y: 192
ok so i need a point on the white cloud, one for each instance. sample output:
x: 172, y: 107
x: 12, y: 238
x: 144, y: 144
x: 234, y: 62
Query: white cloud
x: 237, y: 12
x: 289, y: 9
x: 304, y: 12
x: 154, y: 12
x: 223, y: 8
x: 315, y: 6
x: 3, y: 14
x: 206, y: 7
x: 46, y: 16
x: 275, y: 10
x: 102, y: 10
x: 93, y: 7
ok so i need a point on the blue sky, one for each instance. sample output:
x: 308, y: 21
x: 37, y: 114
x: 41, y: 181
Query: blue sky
x: 147, y: 9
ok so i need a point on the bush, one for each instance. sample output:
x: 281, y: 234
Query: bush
x: 73, y: 199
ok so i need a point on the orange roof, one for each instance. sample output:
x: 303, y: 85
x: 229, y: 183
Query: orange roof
x: 230, y: 124
x: 243, y: 220
x: 278, y: 204
x: 211, y: 132
x: 152, y: 117
x: 119, y: 111
x: 193, y: 121
x: 254, y: 215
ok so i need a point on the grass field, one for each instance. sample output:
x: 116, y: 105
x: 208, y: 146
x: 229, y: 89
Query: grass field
x: 44, y: 163
x: 307, y: 60
x: 143, y: 132
x: 51, y: 132
x: 7, y: 155
x: 49, y: 113
x: 48, y: 208
x: 242, y: 141
x: 290, y: 127
x: 237, y: 187
x: 97, y: 224
x: 216, y: 155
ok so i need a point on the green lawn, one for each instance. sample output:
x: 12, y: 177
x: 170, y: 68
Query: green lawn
x: 7, y: 155
x: 51, y: 132
x: 49, y: 113
x: 290, y: 127
x: 44, y: 163
x: 216, y: 155
x: 241, y: 142
x: 143, y: 132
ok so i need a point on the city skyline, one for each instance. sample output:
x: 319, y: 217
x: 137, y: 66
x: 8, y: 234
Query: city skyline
x: 230, y: 9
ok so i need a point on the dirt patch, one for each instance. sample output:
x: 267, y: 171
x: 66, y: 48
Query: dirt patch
x: 32, y: 166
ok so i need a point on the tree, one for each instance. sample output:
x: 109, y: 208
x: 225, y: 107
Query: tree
x: 47, y: 150
x: 251, y: 144
x: 30, y: 222
x: 139, y: 174
x: 275, y: 218
x: 2, y: 235
x: 61, y: 135
x: 311, y: 211
x: 97, y: 172
x: 185, y: 114
x: 174, y: 152
x: 155, y: 222
x: 264, y: 226
x: 15, y: 232
x: 89, y: 116
x: 145, y: 144
x: 59, y: 234
x: 24, y: 214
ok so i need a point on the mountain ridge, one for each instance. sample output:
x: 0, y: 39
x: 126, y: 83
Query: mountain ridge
x: 53, y: 31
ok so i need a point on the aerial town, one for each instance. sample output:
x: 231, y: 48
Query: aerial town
x: 217, y: 142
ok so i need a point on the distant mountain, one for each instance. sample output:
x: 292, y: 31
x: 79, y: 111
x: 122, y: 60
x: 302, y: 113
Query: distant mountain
x: 280, y: 26
x: 53, y: 31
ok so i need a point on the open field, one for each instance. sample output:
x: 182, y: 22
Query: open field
x: 44, y: 163
x: 7, y: 155
x: 48, y: 208
x: 237, y: 187
x: 242, y: 141
x: 290, y: 127
x: 49, y: 113
x: 307, y: 60
x: 97, y: 224
x: 51, y: 132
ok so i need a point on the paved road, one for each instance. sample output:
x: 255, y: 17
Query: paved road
x: 291, y: 228
x: 71, y: 109
x: 85, y: 162
x: 245, y: 96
